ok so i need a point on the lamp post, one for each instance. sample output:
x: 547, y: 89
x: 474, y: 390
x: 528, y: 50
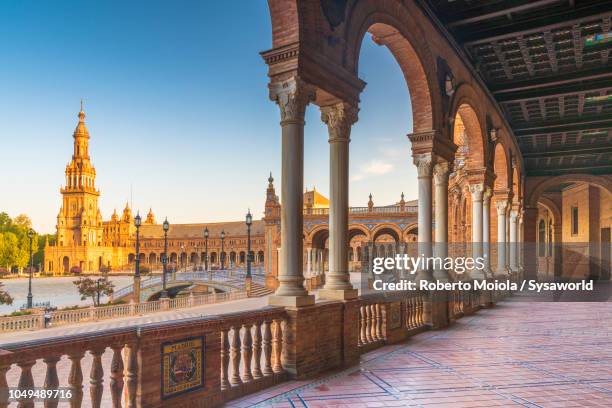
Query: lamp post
x: 222, y: 250
x: 166, y: 226
x: 206, y: 248
x: 249, y: 222
x: 137, y: 223
x: 248, y: 281
x: 29, y: 301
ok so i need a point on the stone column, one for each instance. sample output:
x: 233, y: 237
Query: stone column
x: 339, y: 119
x: 308, y: 265
x: 292, y: 97
x: 486, y: 229
x: 520, y: 240
x: 501, y: 237
x: 424, y: 169
x: 477, y: 191
x: 441, y: 172
x: 513, y: 240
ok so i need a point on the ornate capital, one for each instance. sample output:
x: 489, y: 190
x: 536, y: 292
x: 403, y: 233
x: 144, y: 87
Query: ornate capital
x: 292, y: 96
x: 339, y: 118
x: 477, y: 190
x: 486, y: 196
x: 424, y: 164
x: 441, y: 171
x: 501, y: 207
x: 513, y: 215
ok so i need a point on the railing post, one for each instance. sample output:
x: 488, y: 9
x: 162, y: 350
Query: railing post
x: 277, y: 344
x: 75, y: 379
x: 267, y: 348
x: 235, y: 357
x: 246, y: 353
x: 26, y: 382
x: 256, y: 363
x: 225, y: 357
x: 4, y: 386
x: 131, y: 374
x: 116, y: 375
x: 51, y: 379
x: 96, y: 378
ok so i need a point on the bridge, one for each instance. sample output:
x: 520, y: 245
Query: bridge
x: 219, y: 280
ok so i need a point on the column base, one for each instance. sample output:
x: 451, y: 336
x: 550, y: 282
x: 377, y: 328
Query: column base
x: 338, y: 294
x: 291, y: 301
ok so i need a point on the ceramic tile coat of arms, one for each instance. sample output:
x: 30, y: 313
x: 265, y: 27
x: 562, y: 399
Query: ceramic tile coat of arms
x: 182, y: 366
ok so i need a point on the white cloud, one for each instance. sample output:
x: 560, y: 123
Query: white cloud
x: 377, y: 167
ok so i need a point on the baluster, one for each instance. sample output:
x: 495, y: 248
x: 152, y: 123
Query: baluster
x: 225, y: 357
x: 368, y: 329
x: 420, y: 314
x: 246, y: 353
x: 379, y: 322
x: 116, y: 376
x: 277, y: 344
x: 26, y: 382
x: 373, y: 322
x: 51, y: 379
x: 256, y: 362
x: 267, y: 348
x: 75, y: 380
x: 362, y: 326
x: 4, y: 386
x: 131, y: 375
x: 410, y: 312
x: 96, y: 378
x: 235, y: 357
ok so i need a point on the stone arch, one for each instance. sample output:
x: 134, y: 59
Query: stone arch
x: 356, y: 229
x: 536, y: 191
x: 411, y: 232
x: 501, y: 168
x: 260, y: 256
x: 66, y: 264
x: 318, y: 236
x: 152, y: 258
x: 412, y: 54
x: 387, y: 229
x: 465, y: 114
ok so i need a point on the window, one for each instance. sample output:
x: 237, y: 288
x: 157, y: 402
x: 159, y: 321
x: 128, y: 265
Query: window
x: 574, y: 220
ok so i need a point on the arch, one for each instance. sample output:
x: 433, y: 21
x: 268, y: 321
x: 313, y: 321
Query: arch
x: 131, y: 258
x: 193, y: 258
x: 467, y: 123
x: 319, y: 236
x: 173, y: 258
x: 500, y: 167
x: 387, y: 229
x: 542, y: 238
x: 356, y: 230
x: 66, y: 264
x: 232, y: 257
x: 411, y: 233
x: 396, y: 28
x: 152, y: 258
x: 213, y: 257
x: 242, y: 257
x: 260, y: 256
x: 536, y: 190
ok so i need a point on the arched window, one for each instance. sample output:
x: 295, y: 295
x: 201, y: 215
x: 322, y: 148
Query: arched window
x: 542, y: 238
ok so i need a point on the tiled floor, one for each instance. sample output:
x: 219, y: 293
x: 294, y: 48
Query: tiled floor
x: 516, y: 354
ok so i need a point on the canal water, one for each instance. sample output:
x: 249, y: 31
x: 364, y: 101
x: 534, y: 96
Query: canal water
x: 61, y: 292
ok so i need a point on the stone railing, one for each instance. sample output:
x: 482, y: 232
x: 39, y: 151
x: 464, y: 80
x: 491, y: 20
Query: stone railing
x: 366, y: 210
x: 90, y: 314
x: 232, y: 355
x: 385, y: 318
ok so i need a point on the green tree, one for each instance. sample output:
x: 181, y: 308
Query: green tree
x: 94, y: 289
x: 5, y: 298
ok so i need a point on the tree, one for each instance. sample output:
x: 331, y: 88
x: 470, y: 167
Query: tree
x: 94, y: 289
x: 5, y: 298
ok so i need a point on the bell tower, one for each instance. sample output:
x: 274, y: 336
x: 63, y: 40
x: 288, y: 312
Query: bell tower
x: 272, y: 235
x: 79, y: 222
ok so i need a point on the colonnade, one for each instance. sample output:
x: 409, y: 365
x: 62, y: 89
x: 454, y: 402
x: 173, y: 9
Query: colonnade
x: 433, y: 163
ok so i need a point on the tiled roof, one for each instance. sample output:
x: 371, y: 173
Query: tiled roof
x: 231, y: 228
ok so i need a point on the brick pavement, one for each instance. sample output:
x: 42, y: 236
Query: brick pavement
x: 516, y: 354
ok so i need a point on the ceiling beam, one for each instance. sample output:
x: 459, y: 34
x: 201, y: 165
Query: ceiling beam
x: 563, y: 126
x: 604, y: 169
x: 568, y: 152
x: 556, y: 90
x: 576, y: 79
x: 540, y: 24
x: 481, y: 15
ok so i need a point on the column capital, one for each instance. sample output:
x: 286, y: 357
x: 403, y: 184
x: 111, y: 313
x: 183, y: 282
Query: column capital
x: 424, y: 163
x: 292, y: 96
x: 441, y: 171
x: 339, y: 118
x: 501, y: 207
x: 486, y: 196
x: 513, y: 215
x: 477, y: 191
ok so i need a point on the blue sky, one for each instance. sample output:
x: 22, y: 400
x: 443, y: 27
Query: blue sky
x: 177, y: 108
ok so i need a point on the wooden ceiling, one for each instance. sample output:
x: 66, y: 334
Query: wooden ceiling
x: 547, y: 63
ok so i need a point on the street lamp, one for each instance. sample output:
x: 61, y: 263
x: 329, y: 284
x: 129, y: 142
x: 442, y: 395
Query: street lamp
x: 137, y: 223
x: 166, y: 226
x: 249, y: 222
x: 206, y: 248
x: 29, y: 301
x: 222, y: 253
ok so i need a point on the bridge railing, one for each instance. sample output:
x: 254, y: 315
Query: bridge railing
x: 234, y: 354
